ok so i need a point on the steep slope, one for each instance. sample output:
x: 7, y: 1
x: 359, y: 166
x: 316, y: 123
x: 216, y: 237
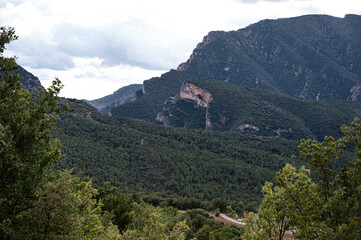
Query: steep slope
x: 119, y: 97
x: 29, y: 81
x: 308, y: 57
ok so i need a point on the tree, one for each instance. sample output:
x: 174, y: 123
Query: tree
x: 148, y: 224
x: 65, y: 208
x: 36, y: 202
x: 120, y: 205
x: 326, y: 205
x: 27, y: 148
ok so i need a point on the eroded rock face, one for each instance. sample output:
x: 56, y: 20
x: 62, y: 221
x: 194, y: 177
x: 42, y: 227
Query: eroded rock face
x: 355, y: 92
x: 197, y: 94
x: 163, y: 119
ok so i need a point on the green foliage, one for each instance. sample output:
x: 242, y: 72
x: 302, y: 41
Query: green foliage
x: 149, y: 222
x: 36, y: 203
x: 120, y: 205
x: 27, y: 148
x: 326, y: 206
x: 220, y: 204
x: 65, y: 208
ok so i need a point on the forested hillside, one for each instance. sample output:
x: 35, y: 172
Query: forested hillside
x: 140, y: 156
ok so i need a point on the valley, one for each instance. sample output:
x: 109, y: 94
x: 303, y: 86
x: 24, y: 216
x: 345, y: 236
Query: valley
x: 262, y: 119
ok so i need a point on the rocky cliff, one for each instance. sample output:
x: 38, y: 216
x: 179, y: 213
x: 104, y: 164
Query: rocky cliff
x: 29, y: 81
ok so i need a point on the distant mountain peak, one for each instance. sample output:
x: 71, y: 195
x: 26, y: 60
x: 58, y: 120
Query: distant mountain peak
x: 119, y: 97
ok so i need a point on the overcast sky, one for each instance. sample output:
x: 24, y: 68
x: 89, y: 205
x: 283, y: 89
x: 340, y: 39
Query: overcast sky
x: 97, y: 46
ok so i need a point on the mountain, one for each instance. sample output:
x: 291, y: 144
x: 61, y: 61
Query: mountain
x: 309, y: 57
x: 29, y: 81
x: 119, y: 97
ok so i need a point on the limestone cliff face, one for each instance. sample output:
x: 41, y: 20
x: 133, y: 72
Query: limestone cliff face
x: 198, y: 95
x: 355, y: 93
x: 192, y: 102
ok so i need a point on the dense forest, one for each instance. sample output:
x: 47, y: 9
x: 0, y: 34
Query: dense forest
x: 140, y: 156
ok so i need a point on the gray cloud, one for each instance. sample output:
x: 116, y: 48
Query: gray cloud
x: 37, y: 52
x: 134, y: 43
